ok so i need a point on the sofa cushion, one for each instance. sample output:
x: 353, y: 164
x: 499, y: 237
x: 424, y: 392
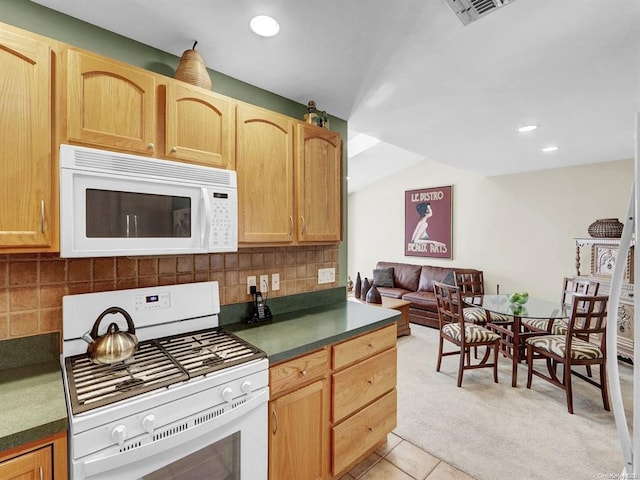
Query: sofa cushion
x: 430, y: 274
x: 392, y: 292
x: 425, y: 300
x: 405, y: 275
x: 383, y: 277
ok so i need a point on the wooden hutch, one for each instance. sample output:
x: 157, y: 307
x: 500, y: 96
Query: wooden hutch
x: 604, y: 256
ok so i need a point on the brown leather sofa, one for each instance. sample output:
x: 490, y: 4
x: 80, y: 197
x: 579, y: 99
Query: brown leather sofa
x: 414, y: 283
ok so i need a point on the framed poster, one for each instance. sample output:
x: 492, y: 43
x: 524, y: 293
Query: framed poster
x: 428, y: 222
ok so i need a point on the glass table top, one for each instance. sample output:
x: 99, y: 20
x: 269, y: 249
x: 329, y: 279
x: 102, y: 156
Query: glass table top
x: 534, y: 308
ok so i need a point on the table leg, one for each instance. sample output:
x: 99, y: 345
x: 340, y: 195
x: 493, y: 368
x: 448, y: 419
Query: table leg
x: 515, y: 355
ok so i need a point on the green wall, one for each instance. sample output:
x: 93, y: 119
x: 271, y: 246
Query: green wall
x: 49, y: 23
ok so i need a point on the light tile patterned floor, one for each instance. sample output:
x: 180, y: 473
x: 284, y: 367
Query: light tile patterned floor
x: 401, y: 460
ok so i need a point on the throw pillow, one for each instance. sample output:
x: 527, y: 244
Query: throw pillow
x: 449, y: 279
x: 383, y: 277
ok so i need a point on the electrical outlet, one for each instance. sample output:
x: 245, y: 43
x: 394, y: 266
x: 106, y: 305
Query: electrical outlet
x: 326, y: 275
x: 251, y: 282
x: 264, y: 283
x: 275, y: 281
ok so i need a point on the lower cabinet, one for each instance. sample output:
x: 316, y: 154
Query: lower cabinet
x: 42, y: 460
x: 299, y: 418
x: 364, y: 399
x: 331, y: 408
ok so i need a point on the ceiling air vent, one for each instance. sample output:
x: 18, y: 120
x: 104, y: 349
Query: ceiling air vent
x: 471, y: 10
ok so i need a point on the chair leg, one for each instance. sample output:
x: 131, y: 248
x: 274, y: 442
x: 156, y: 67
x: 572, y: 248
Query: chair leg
x: 566, y: 380
x: 529, y: 365
x: 496, y: 347
x: 604, y: 387
x: 439, y: 354
x: 463, y: 352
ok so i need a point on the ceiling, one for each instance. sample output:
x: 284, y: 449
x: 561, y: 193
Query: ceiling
x: 411, y: 76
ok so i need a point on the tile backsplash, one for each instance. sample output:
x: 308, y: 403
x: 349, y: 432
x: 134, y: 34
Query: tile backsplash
x: 32, y: 285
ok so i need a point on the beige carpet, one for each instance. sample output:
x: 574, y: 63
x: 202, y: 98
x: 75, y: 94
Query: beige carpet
x: 495, y: 432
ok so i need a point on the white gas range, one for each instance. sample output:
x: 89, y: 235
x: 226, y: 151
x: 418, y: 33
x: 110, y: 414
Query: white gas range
x: 190, y: 403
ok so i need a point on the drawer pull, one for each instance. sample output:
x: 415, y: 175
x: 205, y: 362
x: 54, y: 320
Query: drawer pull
x: 371, y: 429
x: 370, y: 382
x: 303, y: 373
x: 275, y: 422
x: 371, y: 345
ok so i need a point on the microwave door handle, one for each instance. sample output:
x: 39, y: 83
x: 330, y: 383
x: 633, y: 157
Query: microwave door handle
x: 206, y: 220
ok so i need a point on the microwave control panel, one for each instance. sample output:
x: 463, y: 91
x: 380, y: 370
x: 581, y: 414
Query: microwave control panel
x: 223, y: 208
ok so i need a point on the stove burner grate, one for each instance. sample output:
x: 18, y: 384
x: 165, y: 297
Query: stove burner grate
x: 156, y: 364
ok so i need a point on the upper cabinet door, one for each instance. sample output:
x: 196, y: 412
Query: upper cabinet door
x: 110, y: 104
x: 26, y: 167
x: 264, y: 158
x: 199, y: 126
x: 318, y: 184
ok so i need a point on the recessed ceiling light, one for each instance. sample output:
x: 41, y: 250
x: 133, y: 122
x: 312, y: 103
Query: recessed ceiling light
x: 549, y: 149
x: 264, y: 26
x: 527, y: 128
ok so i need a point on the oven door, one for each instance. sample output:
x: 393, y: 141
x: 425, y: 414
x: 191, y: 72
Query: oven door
x: 213, y: 446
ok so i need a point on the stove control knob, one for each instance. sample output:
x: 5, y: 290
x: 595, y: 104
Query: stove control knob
x: 119, y: 434
x: 149, y: 423
x: 227, y: 394
x: 246, y: 387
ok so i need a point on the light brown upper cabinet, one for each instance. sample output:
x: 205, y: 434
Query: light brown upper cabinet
x: 318, y: 184
x: 199, y: 126
x: 109, y: 104
x: 289, y: 190
x: 27, y: 169
x: 264, y: 162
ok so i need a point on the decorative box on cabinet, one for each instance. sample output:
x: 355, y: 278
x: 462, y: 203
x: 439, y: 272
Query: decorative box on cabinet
x: 28, y: 196
x: 604, y: 257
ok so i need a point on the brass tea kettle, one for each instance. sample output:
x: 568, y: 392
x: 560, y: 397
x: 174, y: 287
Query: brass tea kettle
x: 114, y: 346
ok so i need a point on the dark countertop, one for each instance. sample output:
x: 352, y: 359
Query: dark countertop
x: 33, y: 405
x: 32, y: 395
x: 294, y: 334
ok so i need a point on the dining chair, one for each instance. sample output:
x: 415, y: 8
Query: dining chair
x: 463, y: 334
x: 471, y: 282
x: 571, y: 286
x: 588, y: 321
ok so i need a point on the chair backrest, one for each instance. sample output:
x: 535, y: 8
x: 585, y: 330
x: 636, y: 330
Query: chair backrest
x: 469, y: 281
x: 449, y: 303
x: 573, y: 286
x: 588, y: 318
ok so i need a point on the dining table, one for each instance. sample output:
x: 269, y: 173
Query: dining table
x: 512, y: 334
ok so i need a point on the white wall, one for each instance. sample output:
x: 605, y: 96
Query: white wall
x: 519, y: 229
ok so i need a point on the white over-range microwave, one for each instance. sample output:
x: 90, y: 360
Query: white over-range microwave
x: 115, y: 204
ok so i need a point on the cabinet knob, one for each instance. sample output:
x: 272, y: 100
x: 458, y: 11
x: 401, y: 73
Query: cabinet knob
x: 303, y: 373
x: 151, y: 146
x: 174, y: 150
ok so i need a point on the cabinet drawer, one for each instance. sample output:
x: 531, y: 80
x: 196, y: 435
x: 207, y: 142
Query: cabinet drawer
x: 363, y: 346
x: 297, y: 372
x: 362, y: 383
x: 357, y: 435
